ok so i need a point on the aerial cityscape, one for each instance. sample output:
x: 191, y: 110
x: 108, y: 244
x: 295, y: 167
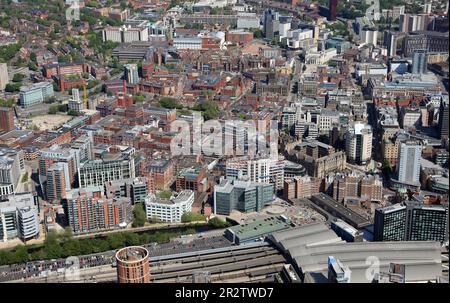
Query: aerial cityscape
x: 224, y: 141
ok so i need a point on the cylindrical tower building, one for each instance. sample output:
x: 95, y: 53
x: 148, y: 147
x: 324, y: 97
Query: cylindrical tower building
x: 133, y: 265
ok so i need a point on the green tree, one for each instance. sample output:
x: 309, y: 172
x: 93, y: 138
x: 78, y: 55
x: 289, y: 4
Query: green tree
x: 73, y: 112
x: 71, y: 248
x: 140, y: 216
x: 192, y: 217
x: 21, y: 254
x: 63, y: 108
x: 218, y: 223
x: 169, y: 103
x: 115, y: 240
x: 257, y: 33
x: 132, y: 239
x: 53, y: 110
x: 52, y: 247
x: 33, y: 57
x: 138, y: 98
x: 11, y: 88
x: 32, y: 66
x: 18, y: 77
x: 6, y: 103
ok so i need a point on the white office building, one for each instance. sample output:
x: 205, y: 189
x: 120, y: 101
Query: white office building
x: 19, y: 218
x: 4, y: 78
x: 125, y: 34
x: 187, y: 43
x: 358, y: 143
x: 262, y: 170
x: 169, y: 210
x: 408, y: 164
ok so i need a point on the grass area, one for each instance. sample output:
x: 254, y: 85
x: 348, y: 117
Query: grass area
x: 192, y: 217
x: 164, y: 194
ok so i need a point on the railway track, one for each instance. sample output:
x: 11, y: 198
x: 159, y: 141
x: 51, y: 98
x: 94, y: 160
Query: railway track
x: 252, y: 262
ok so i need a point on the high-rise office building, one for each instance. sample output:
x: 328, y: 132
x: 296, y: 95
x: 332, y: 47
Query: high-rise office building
x: 262, y: 170
x: 270, y: 23
x: 411, y: 221
x: 419, y: 62
x: 4, y: 78
x: 244, y: 196
x: 6, y: 119
x: 408, y: 163
x: 443, y: 119
x: 133, y: 265
x: 359, y: 143
x: 19, y: 217
x: 12, y: 166
x: 131, y: 73
x: 426, y: 222
x: 390, y: 223
x: 56, y: 185
x: 75, y: 103
x: 57, y: 154
x: 332, y: 10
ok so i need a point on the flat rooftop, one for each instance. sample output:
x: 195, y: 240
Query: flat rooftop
x: 341, y: 211
x: 258, y: 228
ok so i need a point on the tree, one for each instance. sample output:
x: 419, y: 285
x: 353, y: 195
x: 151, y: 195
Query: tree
x: 140, y: 216
x: 169, y: 103
x: 73, y: 112
x: 53, y: 109
x: 209, y: 109
x: 52, y: 247
x: 6, y: 103
x: 115, y: 240
x: 132, y: 239
x: 11, y: 88
x: 218, y: 223
x: 63, y: 108
x: 33, y: 66
x: 192, y: 217
x: 33, y: 57
x: 18, y: 77
x: 138, y: 98
x: 257, y: 33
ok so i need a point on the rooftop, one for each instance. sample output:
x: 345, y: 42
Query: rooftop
x: 259, y: 228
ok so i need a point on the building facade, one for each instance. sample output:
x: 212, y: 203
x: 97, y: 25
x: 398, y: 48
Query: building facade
x: 133, y: 265
x: 35, y: 94
x: 358, y: 143
x: 169, y: 210
x: 411, y: 221
x: 244, y: 196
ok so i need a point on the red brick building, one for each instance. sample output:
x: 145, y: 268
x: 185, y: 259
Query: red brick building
x: 161, y: 171
x: 50, y: 70
x: 66, y: 83
x: 6, y: 119
x: 191, y: 178
x: 238, y: 36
